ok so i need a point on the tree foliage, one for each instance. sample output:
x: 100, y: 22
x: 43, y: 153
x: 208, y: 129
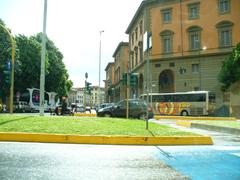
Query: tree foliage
x: 230, y: 71
x: 5, y: 55
x: 56, y: 75
x: 28, y: 64
x: 29, y: 58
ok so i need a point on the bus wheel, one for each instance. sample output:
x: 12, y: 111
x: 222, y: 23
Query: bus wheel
x: 184, y: 113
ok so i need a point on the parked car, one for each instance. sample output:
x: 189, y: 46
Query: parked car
x: 22, y: 106
x: 137, y: 109
x: 80, y: 109
x: 103, y: 105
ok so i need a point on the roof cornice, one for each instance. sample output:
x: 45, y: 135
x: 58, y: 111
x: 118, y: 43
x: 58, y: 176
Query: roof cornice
x: 138, y: 12
x: 119, y: 46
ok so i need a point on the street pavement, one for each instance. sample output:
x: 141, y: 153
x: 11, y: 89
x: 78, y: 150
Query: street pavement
x: 218, y: 137
x: 220, y: 161
x: 73, y: 161
x: 23, y: 161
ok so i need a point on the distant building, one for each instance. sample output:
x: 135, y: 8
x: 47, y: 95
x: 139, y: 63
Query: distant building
x: 109, y: 82
x: 76, y: 95
x: 114, y: 87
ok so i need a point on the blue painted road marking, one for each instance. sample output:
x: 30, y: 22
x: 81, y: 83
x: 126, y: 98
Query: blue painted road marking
x: 203, y: 162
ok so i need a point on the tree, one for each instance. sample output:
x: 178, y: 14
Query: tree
x: 57, y: 78
x: 230, y: 71
x: 5, y: 55
x: 29, y: 62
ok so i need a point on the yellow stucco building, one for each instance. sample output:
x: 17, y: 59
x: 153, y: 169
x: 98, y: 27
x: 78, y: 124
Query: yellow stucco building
x: 188, y: 42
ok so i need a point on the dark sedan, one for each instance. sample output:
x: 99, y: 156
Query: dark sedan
x: 137, y: 109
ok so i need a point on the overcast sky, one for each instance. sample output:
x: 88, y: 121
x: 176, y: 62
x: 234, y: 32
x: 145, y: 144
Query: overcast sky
x: 74, y: 26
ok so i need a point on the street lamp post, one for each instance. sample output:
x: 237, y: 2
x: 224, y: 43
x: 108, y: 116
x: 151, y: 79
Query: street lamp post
x: 99, y: 80
x: 42, y: 76
x: 200, y: 68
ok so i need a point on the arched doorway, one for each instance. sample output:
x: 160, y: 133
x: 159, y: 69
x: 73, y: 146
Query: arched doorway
x: 166, y: 81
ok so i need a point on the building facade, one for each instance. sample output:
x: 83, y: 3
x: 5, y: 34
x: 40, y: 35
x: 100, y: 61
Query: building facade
x: 120, y: 67
x: 187, y: 42
x: 114, y: 87
x: 109, y: 82
x: 77, y: 95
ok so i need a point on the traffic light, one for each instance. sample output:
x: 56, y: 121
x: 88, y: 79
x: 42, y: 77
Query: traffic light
x: 133, y: 80
x: 108, y: 83
x: 110, y: 92
x: 124, y: 79
x: 7, y: 73
x: 88, y: 88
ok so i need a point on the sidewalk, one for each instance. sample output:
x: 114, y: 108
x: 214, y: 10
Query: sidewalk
x: 219, y: 138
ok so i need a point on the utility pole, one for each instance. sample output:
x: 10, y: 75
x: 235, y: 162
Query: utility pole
x: 42, y: 76
x: 99, y: 80
x: 146, y: 48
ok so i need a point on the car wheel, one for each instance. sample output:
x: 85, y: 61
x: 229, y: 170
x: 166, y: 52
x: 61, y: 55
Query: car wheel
x: 184, y: 113
x: 107, y: 115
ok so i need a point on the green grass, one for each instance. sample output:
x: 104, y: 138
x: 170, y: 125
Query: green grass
x: 231, y: 124
x: 85, y: 126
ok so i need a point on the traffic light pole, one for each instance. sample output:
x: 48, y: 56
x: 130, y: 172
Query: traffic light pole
x: 147, y: 87
x: 127, y: 85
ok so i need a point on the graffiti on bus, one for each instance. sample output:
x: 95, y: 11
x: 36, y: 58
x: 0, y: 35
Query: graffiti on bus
x: 171, y: 108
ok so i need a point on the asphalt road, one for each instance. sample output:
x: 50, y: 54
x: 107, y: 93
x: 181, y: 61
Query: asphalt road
x: 23, y: 161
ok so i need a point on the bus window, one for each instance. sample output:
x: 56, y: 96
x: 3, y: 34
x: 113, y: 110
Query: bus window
x: 178, y: 98
x: 198, y: 98
x: 155, y: 98
x: 35, y: 97
x: 168, y: 98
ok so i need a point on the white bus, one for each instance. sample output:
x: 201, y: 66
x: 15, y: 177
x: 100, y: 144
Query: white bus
x: 193, y: 103
x: 32, y: 97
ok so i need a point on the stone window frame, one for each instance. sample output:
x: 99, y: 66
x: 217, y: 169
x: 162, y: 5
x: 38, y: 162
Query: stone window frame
x: 194, y: 30
x: 136, y: 34
x: 221, y: 27
x: 132, y: 60
x: 164, y: 13
x: 195, y: 68
x: 141, y: 27
x: 140, y: 49
x: 194, y: 6
x: 167, y: 35
x: 132, y: 37
x: 136, y: 55
x: 226, y: 11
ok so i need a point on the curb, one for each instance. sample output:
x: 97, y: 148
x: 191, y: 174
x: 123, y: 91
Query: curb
x: 216, y: 128
x: 195, y: 118
x: 209, y: 127
x: 110, y: 140
x: 184, y: 123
